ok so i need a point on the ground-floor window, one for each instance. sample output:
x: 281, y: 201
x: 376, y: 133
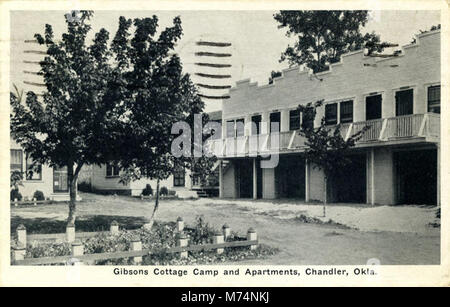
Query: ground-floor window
x: 112, y: 170
x: 34, y: 169
x: 60, y: 182
x: 179, y: 177
x: 16, y: 160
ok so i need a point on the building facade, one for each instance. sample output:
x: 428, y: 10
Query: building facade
x: 36, y: 177
x: 395, y: 162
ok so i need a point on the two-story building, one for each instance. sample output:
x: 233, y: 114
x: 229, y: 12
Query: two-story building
x: 395, y: 162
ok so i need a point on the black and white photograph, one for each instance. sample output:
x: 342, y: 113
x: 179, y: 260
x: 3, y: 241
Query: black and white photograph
x: 212, y: 144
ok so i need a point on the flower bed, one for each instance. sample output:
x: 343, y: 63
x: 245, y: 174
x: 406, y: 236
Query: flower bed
x: 162, y: 236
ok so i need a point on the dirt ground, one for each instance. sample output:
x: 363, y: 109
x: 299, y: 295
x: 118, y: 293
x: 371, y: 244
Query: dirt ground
x: 299, y: 243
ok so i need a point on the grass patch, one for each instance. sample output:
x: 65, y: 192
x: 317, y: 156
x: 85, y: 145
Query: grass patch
x: 313, y: 220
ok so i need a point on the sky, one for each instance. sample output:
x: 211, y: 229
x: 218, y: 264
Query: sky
x: 256, y: 41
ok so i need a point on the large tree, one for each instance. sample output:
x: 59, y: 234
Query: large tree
x: 73, y: 122
x: 157, y: 96
x: 323, y: 36
x: 326, y: 149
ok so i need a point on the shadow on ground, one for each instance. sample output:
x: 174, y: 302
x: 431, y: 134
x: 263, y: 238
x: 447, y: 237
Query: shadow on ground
x: 83, y: 223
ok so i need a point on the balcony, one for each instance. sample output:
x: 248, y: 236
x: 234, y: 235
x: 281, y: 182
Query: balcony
x: 387, y: 131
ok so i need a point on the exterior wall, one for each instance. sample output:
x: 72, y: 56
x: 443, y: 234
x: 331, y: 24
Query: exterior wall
x: 229, y: 182
x: 316, y: 185
x: 383, y: 177
x: 45, y: 184
x: 112, y: 185
x: 269, y: 183
x: 348, y: 79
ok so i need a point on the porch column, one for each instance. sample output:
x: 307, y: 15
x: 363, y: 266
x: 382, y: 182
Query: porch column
x: 372, y: 176
x: 220, y: 179
x: 306, y: 180
x: 255, y: 180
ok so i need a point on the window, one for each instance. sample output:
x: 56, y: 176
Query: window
x: 60, y: 179
x: 34, y: 169
x: 373, y: 107
x: 230, y: 129
x: 307, y: 123
x: 331, y: 114
x: 112, y: 170
x: 346, y: 111
x: 294, y: 120
x: 434, y: 99
x: 178, y: 177
x: 275, y: 122
x: 16, y: 160
x: 404, y: 102
x: 256, y: 124
x: 240, y: 127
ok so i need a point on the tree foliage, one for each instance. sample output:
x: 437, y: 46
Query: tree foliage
x: 323, y: 36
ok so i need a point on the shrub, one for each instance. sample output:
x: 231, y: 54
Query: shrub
x: 84, y: 186
x: 39, y: 195
x: 15, y: 194
x: 163, y: 191
x: 147, y: 190
x: 202, y: 232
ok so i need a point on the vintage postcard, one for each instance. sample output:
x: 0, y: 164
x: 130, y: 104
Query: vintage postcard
x: 234, y: 143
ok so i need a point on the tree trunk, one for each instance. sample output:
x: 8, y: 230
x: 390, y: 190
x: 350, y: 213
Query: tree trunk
x: 72, y: 193
x: 325, y: 179
x: 149, y: 225
x: 72, y: 183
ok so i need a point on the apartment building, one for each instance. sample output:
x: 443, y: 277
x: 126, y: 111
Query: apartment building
x: 395, y: 162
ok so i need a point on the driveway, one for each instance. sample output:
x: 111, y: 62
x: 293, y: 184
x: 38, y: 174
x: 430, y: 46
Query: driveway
x: 299, y: 243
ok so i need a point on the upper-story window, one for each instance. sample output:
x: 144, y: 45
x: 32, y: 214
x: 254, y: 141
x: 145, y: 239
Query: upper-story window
x: 34, y: 169
x: 275, y: 122
x: 373, y: 107
x: 16, y: 160
x: 112, y: 170
x: 346, y: 111
x: 256, y: 124
x: 240, y: 128
x: 294, y: 119
x: 331, y: 114
x: 434, y: 99
x: 404, y: 102
x: 230, y: 128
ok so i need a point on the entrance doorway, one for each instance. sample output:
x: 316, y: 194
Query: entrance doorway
x: 244, y: 177
x: 350, y: 186
x: 416, y: 176
x: 290, y: 174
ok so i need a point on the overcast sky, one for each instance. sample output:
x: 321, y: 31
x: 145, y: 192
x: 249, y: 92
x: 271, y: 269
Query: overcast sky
x: 256, y: 41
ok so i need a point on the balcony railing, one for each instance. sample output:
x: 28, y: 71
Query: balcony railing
x: 421, y: 126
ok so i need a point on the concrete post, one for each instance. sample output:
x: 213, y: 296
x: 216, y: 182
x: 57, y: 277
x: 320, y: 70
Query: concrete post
x: 114, y: 228
x: 77, y: 249
x: 226, y: 231
x: 34, y: 202
x: 182, y: 242
x: 218, y: 239
x: 70, y: 232
x: 142, y: 196
x: 18, y: 253
x: 21, y: 235
x: 252, y: 236
x: 180, y: 224
x: 136, y: 245
x: 15, y: 202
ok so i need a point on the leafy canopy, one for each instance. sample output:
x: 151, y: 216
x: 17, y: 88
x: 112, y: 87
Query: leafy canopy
x: 323, y: 36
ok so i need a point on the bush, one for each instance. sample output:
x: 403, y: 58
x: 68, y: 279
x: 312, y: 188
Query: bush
x: 147, y: 190
x: 163, y: 191
x: 39, y: 195
x: 15, y: 194
x: 84, y: 186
